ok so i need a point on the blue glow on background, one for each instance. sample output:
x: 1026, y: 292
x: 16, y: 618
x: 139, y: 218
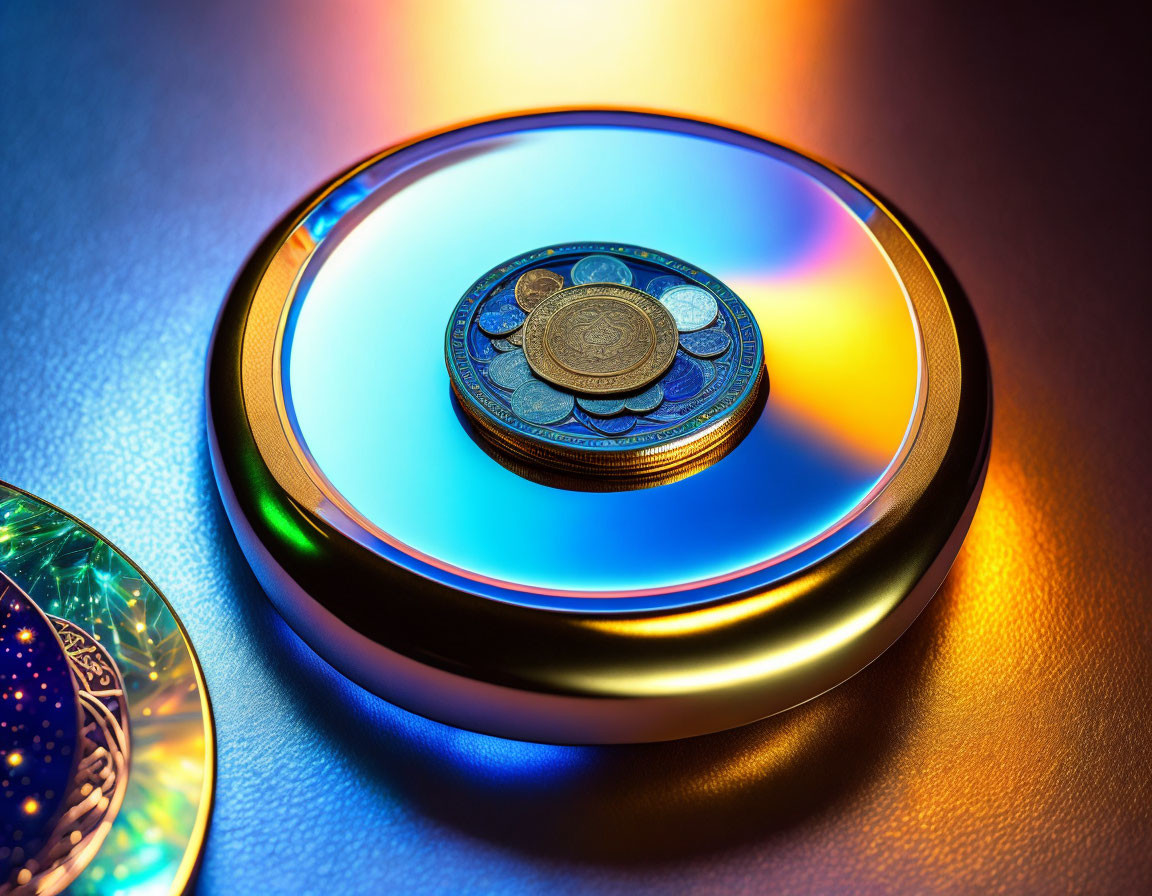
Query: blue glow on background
x: 453, y: 753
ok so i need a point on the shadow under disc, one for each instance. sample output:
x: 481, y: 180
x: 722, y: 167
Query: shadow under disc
x: 630, y: 805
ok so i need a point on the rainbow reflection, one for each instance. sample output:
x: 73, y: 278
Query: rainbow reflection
x: 367, y: 395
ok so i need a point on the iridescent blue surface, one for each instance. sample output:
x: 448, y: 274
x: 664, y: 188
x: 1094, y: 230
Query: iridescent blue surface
x: 775, y: 498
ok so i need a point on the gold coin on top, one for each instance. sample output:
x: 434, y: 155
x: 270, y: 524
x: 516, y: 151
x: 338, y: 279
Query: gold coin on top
x: 600, y: 339
x: 535, y: 286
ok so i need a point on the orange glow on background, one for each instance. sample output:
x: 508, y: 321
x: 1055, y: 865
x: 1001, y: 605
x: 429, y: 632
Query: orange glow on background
x: 485, y: 58
x: 407, y: 67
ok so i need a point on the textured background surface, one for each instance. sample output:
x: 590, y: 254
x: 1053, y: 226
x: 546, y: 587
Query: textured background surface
x: 1002, y: 744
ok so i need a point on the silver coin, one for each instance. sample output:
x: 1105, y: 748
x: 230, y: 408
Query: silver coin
x: 710, y: 343
x: 601, y: 407
x: 500, y: 315
x: 510, y: 370
x: 601, y: 269
x: 538, y: 403
x: 646, y: 401
x: 503, y: 345
x: 657, y: 286
x: 606, y: 426
x: 691, y: 307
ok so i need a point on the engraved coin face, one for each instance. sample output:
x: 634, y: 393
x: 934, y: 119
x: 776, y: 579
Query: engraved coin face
x: 646, y: 401
x: 600, y: 339
x: 510, y: 370
x: 601, y: 269
x: 657, y: 286
x: 538, y: 403
x: 503, y: 345
x: 601, y: 407
x: 710, y: 343
x: 692, y: 308
x: 607, y: 426
x: 516, y: 337
x: 500, y: 315
x: 535, y: 286
x: 598, y: 335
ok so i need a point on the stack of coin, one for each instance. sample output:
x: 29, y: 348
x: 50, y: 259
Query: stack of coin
x: 599, y: 354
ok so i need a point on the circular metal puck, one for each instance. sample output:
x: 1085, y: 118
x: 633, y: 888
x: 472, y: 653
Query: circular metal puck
x: 482, y: 593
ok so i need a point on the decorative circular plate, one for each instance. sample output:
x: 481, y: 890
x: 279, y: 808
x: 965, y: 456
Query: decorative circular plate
x: 658, y: 410
x: 106, y: 749
x: 443, y: 578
